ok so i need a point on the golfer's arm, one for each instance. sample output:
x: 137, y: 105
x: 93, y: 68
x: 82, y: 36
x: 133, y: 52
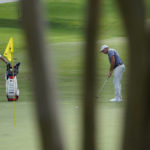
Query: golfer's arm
x: 112, y: 63
x: 3, y: 59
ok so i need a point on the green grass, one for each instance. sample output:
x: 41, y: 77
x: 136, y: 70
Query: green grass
x: 71, y: 20
x: 24, y: 135
x: 66, y: 36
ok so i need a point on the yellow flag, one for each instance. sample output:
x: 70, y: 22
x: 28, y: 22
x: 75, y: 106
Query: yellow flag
x: 9, y: 50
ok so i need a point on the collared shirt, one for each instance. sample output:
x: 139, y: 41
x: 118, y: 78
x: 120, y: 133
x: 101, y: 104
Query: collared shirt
x: 118, y: 61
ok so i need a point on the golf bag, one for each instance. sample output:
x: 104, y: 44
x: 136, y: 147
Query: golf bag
x: 12, y: 90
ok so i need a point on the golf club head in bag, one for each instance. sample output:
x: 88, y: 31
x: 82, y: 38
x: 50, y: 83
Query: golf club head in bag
x: 12, y: 90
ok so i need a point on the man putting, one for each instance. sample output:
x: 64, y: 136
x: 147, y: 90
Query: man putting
x: 118, y: 67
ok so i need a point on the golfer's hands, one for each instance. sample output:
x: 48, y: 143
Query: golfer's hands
x: 109, y: 74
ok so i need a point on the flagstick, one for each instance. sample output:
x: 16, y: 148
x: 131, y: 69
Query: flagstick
x: 9, y: 55
x: 14, y: 108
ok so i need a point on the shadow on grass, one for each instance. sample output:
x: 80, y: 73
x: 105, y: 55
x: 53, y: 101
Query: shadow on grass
x: 9, y: 23
x: 54, y: 24
x: 66, y: 25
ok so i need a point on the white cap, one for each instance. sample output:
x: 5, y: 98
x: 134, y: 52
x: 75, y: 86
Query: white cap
x: 103, y: 47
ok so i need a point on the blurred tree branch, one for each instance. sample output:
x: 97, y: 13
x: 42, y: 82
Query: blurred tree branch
x: 90, y: 75
x: 42, y: 75
x: 137, y: 125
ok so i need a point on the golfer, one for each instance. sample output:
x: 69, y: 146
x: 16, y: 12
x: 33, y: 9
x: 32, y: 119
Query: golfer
x: 118, y: 67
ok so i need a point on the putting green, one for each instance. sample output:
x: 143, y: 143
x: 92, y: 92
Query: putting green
x: 25, y: 133
x: 66, y: 55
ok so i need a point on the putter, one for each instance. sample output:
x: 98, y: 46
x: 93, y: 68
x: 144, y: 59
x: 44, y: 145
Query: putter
x: 102, y: 87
